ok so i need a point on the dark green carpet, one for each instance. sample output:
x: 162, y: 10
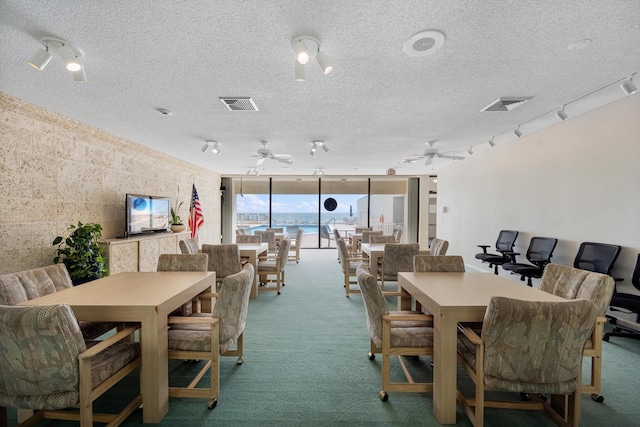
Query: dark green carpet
x: 306, y: 364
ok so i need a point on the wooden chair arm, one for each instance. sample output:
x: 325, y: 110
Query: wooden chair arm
x: 402, y: 317
x: 470, y: 334
x: 174, y: 320
x: 208, y: 295
x: 108, y: 342
x: 395, y: 294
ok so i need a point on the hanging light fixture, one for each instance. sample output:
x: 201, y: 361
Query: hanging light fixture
x: 318, y: 171
x: 253, y: 172
x: 470, y: 151
x: 316, y: 144
x: 69, y: 54
x: 305, y: 48
x: 517, y: 132
x: 561, y: 114
x: 492, y: 143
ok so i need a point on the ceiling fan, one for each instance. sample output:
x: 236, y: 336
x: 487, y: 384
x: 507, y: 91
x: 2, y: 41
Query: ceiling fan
x: 264, y: 153
x: 430, y: 153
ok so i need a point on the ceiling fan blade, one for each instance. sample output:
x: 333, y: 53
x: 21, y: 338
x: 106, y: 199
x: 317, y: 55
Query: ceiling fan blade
x: 260, y: 161
x: 429, y: 160
x: 282, y: 160
x: 450, y: 156
x: 409, y: 160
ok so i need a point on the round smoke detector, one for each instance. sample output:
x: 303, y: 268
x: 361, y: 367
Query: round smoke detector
x: 424, y: 43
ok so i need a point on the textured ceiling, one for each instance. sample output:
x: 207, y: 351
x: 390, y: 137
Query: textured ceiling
x: 378, y: 107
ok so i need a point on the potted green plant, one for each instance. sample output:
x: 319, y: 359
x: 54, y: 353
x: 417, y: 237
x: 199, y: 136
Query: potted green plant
x: 176, y: 222
x: 81, y: 254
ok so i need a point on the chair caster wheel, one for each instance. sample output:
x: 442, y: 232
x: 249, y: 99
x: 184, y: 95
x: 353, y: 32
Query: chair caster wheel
x: 240, y: 361
x: 212, y: 403
x: 384, y: 396
x: 371, y: 356
x: 597, y: 398
x: 605, y: 338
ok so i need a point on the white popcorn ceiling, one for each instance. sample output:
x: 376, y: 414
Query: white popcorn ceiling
x: 378, y: 106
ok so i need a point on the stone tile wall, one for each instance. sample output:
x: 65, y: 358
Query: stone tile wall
x: 55, y: 171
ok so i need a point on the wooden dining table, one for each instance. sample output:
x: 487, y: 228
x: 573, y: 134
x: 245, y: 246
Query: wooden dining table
x: 253, y: 251
x: 453, y: 298
x: 147, y: 298
x: 375, y: 252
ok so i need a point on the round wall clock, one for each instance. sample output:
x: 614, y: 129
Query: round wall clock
x: 330, y: 204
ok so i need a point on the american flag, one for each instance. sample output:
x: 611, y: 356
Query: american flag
x: 195, y: 214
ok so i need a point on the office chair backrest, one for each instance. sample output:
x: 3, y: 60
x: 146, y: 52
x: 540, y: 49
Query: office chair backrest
x: 541, y: 249
x: 506, y: 240
x: 635, y: 277
x: 596, y: 257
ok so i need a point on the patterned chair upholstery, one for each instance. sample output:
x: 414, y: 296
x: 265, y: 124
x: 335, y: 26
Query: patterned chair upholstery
x: 294, y: 248
x: 397, y: 234
x: 47, y: 365
x: 223, y: 259
x: 397, y: 257
x: 274, y: 267
x: 573, y: 283
x: 189, y: 246
x: 184, y: 262
x: 527, y: 347
x: 30, y: 284
x: 249, y: 238
x: 438, y: 247
x: 377, y: 239
x: 349, y: 264
x: 268, y: 236
x: 366, y: 235
x: 400, y: 333
x: 438, y: 264
x: 207, y: 336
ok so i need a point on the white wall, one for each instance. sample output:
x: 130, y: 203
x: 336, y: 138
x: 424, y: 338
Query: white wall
x: 578, y: 180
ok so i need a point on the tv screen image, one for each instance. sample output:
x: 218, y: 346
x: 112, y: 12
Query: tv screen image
x: 147, y: 214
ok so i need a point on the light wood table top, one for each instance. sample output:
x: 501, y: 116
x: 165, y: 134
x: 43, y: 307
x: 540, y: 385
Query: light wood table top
x: 147, y: 298
x: 453, y: 298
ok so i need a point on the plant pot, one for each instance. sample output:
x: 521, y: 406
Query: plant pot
x: 177, y: 228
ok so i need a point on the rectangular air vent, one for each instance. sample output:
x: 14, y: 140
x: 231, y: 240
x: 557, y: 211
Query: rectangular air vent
x: 239, y: 103
x: 506, y: 103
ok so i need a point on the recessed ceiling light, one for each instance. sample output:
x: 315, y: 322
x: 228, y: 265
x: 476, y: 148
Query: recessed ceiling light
x: 579, y: 44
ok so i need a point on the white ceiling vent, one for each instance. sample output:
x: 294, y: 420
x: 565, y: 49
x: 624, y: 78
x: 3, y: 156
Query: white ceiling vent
x: 239, y: 104
x: 506, y: 103
x: 424, y: 43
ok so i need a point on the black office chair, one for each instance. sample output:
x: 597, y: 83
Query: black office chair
x: 539, y: 255
x: 597, y: 257
x: 626, y: 303
x: 506, y: 241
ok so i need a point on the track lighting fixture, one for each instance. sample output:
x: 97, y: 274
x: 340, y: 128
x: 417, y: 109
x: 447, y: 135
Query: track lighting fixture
x: 517, y: 132
x: 561, y: 114
x: 69, y: 54
x: 253, y: 172
x: 470, y: 151
x: 215, y: 147
x: 305, y: 48
x: 628, y: 86
x: 319, y: 171
x: 492, y: 143
x: 316, y: 144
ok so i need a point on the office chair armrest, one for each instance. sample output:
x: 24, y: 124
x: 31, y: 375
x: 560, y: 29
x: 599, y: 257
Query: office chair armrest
x: 510, y: 254
x: 484, y: 248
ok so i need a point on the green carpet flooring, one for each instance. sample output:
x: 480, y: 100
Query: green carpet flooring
x: 306, y: 364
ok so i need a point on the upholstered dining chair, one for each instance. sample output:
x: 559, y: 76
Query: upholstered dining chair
x: 399, y: 333
x: 527, y: 347
x: 184, y: 262
x: 48, y: 367
x: 438, y: 263
x: 223, y: 259
x: 397, y: 234
x: 574, y: 283
x: 381, y: 239
x: 368, y: 233
x: 348, y: 263
x: 362, y: 229
x: 438, y: 246
x: 294, y: 248
x: 274, y: 267
x: 397, y: 257
x: 208, y: 336
x: 189, y: 246
x: 268, y: 236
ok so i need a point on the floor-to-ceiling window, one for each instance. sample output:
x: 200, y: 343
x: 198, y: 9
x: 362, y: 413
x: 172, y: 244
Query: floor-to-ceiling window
x: 319, y: 205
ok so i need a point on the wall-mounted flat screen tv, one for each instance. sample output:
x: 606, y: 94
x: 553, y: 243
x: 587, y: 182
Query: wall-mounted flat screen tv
x: 147, y: 214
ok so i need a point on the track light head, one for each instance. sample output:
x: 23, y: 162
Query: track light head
x: 216, y: 148
x: 517, y: 132
x: 299, y: 72
x: 40, y: 58
x: 323, y: 61
x: 470, y: 151
x: 205, y: 147
x: 492, y: 143
x: 628, y: 86
x: 561, y: 114
x: 305, y: 48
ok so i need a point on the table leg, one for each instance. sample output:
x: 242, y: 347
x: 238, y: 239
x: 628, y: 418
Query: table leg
x: 155, y: 371
x: 253, y: 259
x: 444, y: 368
